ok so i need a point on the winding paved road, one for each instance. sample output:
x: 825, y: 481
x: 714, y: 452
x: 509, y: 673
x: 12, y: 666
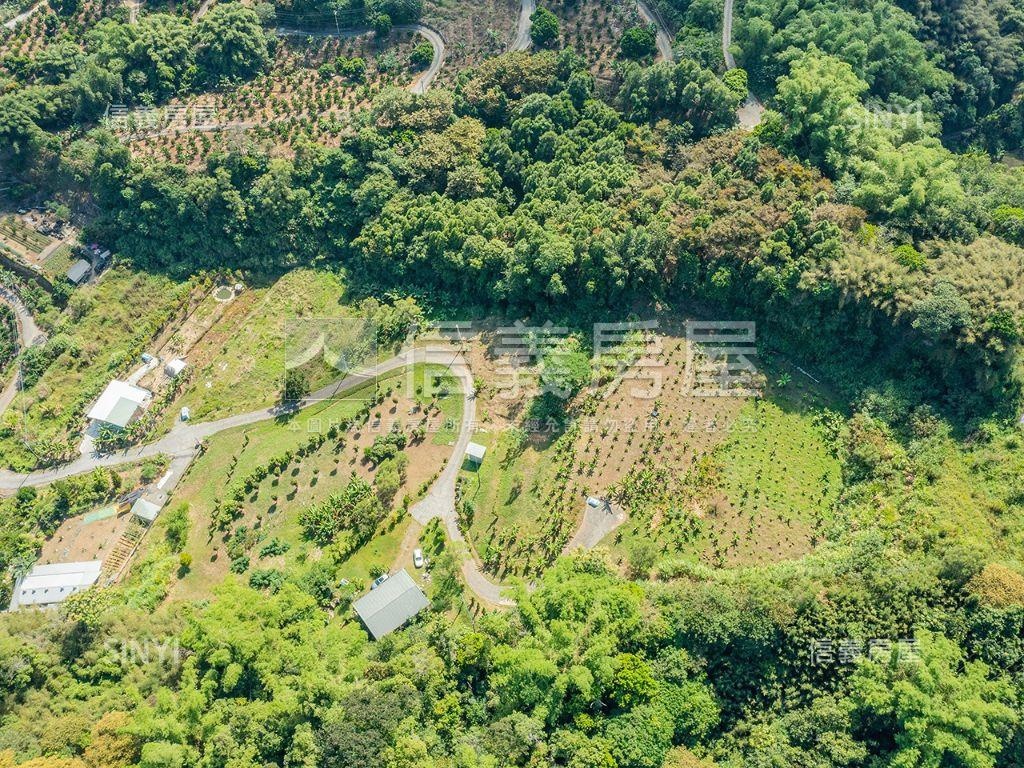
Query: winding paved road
x: 661, y: 35
x: 183, y: 442
x: 423, y: 82
x: 750, y: 111
x: 522, y: 41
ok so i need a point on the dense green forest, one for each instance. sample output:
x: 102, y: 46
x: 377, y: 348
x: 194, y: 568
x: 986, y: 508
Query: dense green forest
x: 521, y: 189
x: 873, y: 225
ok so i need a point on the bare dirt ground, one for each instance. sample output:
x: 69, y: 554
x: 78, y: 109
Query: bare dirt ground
x: 535, y: 502
x: 77, y: 540
x: 474, y: 30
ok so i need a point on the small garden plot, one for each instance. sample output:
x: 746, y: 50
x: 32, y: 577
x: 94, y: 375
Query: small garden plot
x: 59, y: 261
x: 92, y: 534
x: 312, y: 88
x: 238, y: 364
x: 475, y: 30
x: 100, y: 335
x: 286, y: 470
x: 595, y: 27
x: 22, y: 239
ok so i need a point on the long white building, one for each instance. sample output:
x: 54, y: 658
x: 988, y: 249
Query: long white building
x: 51, y: 584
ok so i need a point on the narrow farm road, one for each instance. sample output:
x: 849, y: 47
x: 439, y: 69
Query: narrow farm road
x: 439, y: 503
x: 28, y: 333
x: 522, y: 41
x: 751, y: 110
x: 182, y: 445
x: 661, y: 35
x: 12, y: 23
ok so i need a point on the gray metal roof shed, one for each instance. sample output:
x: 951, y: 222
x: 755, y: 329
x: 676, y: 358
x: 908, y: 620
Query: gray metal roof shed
x: 391, y: 605
x: 79, y: 271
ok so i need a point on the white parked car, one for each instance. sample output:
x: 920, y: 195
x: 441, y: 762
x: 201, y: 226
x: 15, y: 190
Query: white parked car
x: 379, y: 580
x: 417, y: 558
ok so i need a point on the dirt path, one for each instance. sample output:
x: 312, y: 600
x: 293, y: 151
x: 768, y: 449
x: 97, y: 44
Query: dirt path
x: 661, y: 37
x: 28, y: 334
x: 751, y: 110
x: 12, y: 23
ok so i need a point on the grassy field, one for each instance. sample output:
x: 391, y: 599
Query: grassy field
x: 238, y: 365
x: 272, y: 510
x: 508, y: 494
x: 59, y: 262
x: 98, y: 337
x: 765, y: 493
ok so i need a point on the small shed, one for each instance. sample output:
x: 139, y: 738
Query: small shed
x: 146, y: 510
x: 391, y: 605
x: 79, y: 272
x: 175, y: 367
x: 475, y: 452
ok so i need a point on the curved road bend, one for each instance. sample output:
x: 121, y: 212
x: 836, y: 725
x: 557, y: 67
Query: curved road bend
x: 661, y: 36
x: 425, y: 79
x: 750, y: 111
x: 423, y: 82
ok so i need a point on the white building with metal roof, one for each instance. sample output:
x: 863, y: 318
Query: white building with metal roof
x: 120, y: 404
x: 174, y: 368
x: 475, y: 453
x: 391, y: 605
x: 52, y: 584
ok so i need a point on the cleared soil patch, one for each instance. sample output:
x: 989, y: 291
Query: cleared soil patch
x: 474, y: 29
x: 530, y: 494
